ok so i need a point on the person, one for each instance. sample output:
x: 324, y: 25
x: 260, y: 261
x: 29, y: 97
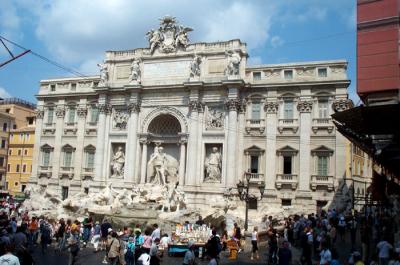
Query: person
x: 139, y: 240
x: 325, y: 255
x: 237, y: 234
x: 342, y: 227
x: 114, y: 247
x: 130, y: 251
x: 45, y: 235
x: 254, y: 243
x: 357, y: 258
x: 384, y: 248
x: 104, y: 228
x: 144, y: 259
x: 156, y: 232
x: 73, y: 245
x: 189, y: 258
x: 214, y: 245
x: 33, y: 231
x: 146, y: 241
x: 285, y: 254
x: 200, y: 221
x: 155, y: 257
x: 8, y: 258
x: 122, y: 248
x: 87, y: 227
x: 96, y: 236
x: 60, y: 234
x: 306, y: 241
x: 273, y: 247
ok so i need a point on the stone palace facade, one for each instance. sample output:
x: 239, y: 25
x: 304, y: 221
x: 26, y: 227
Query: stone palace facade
x: 196, y: 114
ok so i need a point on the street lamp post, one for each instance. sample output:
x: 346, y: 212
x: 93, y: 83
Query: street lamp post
x: 243, y: 189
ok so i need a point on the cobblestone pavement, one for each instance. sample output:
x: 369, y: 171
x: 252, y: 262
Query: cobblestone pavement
x: 88, y: 257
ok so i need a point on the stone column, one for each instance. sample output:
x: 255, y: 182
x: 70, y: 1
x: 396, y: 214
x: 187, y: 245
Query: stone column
x: 232, y: 106
x: 104, y: 108
x: 36, y: 150
x: 182, y: 160
x: 271, y: 109
x: 134, y: 109
x: 192, y: 144
x: 79, y: 159
x: 242, y: 112
x: 199, y: 146
x: 56, y: 159
x: 305, y: 107
x: 143, y: 167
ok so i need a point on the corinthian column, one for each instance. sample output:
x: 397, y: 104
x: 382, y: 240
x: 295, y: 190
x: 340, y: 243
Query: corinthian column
x: 305, y: 107
x: 144, y: 161
x: 134, y: 109
x: 232, y: 106
x: 79, y: 159
x: 271, y: 109
x: 60, y: 113
x: 104, y: 109
x: 182, y: 160
x: 192, y: 144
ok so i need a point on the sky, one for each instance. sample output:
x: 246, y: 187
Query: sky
x: 76, y: 33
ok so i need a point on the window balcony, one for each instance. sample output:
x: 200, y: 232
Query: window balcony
x: 91, y: 127
x: 322, y: 181
x: 322, y: 124
x: 288, y: 124
x: 67, y: 169
x: 49, y: 128
x: 254, y: 177
x: 88, y: 169
x: 255, y: 125
x: 286, y: 180
x: 70, y: 127
x: 45, y: 168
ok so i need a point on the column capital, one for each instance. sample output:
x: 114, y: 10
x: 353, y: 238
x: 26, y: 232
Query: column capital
x: 196, y: 106
x: 105, y: 108
x: 60, y: 112
x: 39, y: 113
x: 134, y: 107
x: 271, y: 107
x: 232, y: 104
x: 242, y: 105
x: 342, y: 104
x: 82, y: 111
x: 304, y: 106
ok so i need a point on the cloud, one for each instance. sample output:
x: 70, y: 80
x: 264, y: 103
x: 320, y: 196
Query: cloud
x: 4, y: 93
x: 276, y: 41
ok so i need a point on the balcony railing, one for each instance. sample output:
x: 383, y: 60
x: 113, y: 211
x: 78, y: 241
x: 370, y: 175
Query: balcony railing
x: 321, y: 181
x: 88, y: 169
x: 322, y: 123
x: 67, y: 169
x: 286, y: 179
x: 285, y: 124
x: 254, y: 176
x: 255, y: 124
x: 45, y: 168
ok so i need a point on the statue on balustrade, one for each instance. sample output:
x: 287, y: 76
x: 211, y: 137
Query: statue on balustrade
x: 118, y: 163
x: 213, y: 165
x: 162, y: 168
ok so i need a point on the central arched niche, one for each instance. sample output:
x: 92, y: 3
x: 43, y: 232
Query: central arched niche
x: 165, y: 124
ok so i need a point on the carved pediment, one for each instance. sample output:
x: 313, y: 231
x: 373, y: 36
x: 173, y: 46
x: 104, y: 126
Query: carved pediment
x: 287, y: 150
x: 322, y: 150
x: 254, y: 149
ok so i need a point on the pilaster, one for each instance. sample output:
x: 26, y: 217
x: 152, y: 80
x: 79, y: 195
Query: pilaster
x: 271, y: 109
x: 36, y: 151
x: 232, y: 105
x: 79, y: 159
x: 56, y: 159
x: 305, y: 107
x: 134, y: 109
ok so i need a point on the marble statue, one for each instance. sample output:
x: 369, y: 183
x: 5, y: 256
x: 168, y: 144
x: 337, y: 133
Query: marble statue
x: 195, y: 66
x: 213, y: 165
x: 103, y: 73
x: 232, y: 67
x: 160, y: 166
x: 118, y: 163
x: 215, y: 119
x: 155, y: 39
x: 136, y: 73
x: 181, y: 39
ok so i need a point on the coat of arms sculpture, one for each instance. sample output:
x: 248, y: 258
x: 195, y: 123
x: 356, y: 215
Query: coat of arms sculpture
x: 169, y: 36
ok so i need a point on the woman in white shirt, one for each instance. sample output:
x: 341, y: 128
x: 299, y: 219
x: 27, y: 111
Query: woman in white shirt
x: 254, y: 243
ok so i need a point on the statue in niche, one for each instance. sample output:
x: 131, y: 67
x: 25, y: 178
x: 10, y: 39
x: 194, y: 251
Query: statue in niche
x: 118, y: 163
x: 215, y: 119
x: 161, y: 167
x: 213, y: 166
x: 233, y: 63
x: 195, y: 66
x: 103, y: 73
x: 136, y: 73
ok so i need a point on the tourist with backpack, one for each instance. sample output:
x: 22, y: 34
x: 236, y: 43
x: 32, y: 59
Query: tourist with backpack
x: 130, y: 251
x: 114, y: 249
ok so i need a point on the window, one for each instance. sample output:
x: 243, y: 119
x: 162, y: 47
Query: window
x: 256, y: 110
x: 252, y: 203
x: 64, y: 193
x: 323, y: 109
x: 73, y: 87
x: 16, y: 184
x: 86, y: 190
x: 30, y: 169
x: 3, y: 143
x: 10, y: 152
x: 71, y: 114
x: 322, y: 165
x: 17, y: 168
x: 94, y: 114
x: 46, y: 158
x: 14, y: 126
x: 254, y: 164
x: 30, y: 120
x: 19, y: 152
x: 27, y: 136
x: 52, y: 87
x: 1, y: 176
x: 7, y: 185
x: 24, y: 168
x: 286, y: 202
x: 8, y: 168
x: 256, y: 76
x: 21, y: 136
x: 8, y: 110
x: 23, y: 187
x: 11, y: 136
x: 322, y: 72
x: 67, y: 158
x: 288, y: 109
x: 5, y: 127
x: 287, y: 165
x: 26, y: 152
x: 50, y: 115
x: 90, y: 159
x: 1, y: 161
x: 288, y: 74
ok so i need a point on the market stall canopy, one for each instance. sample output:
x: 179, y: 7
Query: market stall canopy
x: 376, y: 130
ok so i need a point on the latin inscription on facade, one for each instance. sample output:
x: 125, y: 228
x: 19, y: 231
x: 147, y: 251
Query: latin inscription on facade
x: 165, y: 70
